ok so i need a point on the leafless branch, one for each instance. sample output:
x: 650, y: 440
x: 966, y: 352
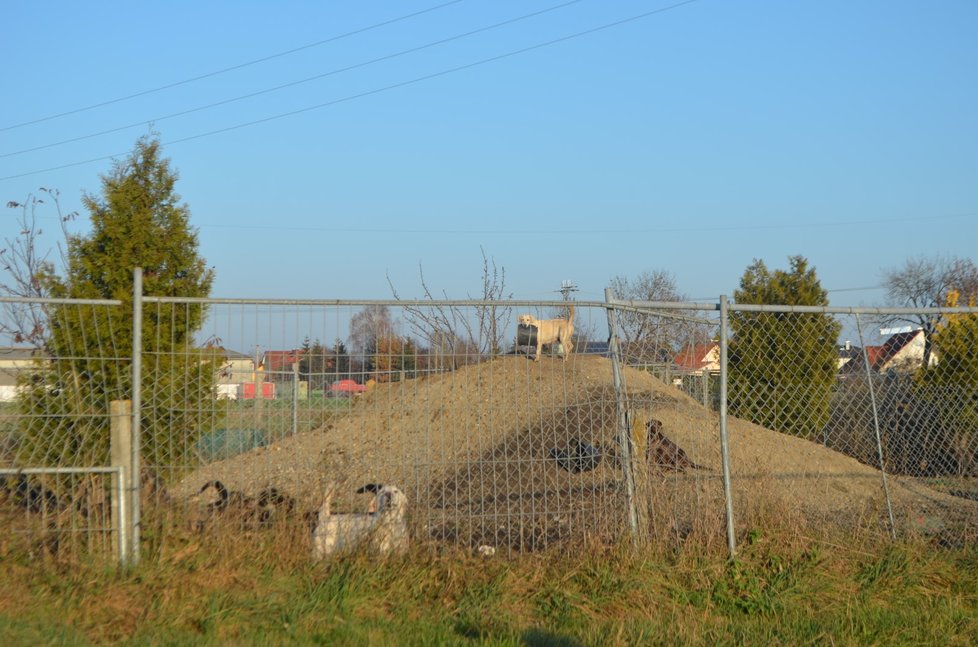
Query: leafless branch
x: 26, y: 268
x: 448, y: 332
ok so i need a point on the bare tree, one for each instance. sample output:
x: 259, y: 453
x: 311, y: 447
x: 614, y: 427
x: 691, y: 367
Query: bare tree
x: 370, y: 325
x: 655, y: 337
x: 24, y: 266
x: 453, y: 334
x: 924, y: 282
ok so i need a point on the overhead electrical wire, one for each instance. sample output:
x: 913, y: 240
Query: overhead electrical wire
x: 386, y: 88
x: 594, y: 231
x: 309, y: 79
x: 233, y: 67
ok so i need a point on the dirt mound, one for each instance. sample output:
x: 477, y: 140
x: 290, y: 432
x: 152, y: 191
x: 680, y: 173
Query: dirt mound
x: 478, y: 452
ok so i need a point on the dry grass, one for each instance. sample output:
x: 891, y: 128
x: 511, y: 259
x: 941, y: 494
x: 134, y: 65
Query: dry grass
x: 224, y: 587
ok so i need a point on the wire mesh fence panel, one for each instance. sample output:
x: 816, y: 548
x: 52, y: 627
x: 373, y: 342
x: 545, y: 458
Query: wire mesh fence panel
x: 491, y: 446
x: 878, y: 433
x: 671, y: 358
x: 62, y: 516
x: 55, y: 423
x: 484, y: 425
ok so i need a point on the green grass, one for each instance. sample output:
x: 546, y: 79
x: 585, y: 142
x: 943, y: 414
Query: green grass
x: 274, y: 417
x: 261, y: 590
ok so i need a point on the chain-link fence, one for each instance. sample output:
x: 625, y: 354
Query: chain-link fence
x: 878, y: 430
x: 652, y: 421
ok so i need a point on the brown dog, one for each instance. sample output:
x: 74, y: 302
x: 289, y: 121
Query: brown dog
x: 662, y: 453
x: 551, y: 331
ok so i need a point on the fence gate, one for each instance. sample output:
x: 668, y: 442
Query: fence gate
x: 65, y: 464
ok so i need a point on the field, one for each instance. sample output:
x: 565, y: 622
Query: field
x: 219, y: 592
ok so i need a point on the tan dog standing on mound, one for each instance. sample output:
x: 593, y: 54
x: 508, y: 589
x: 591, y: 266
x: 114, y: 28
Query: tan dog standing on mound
x: 550, y: 331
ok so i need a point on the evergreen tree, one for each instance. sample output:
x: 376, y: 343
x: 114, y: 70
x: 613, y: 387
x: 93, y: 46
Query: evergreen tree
x: 137, y: 221
x: 316, y: 365
x: 340, y: 361
x: 948, y: 393
x: 782, y: 365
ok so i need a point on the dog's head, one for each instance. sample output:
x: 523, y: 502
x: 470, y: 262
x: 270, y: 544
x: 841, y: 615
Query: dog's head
x: 526, y: 320
x: 387, y: 498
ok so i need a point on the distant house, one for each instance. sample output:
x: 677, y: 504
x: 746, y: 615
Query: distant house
x: 278, y: 364
x: 236, y: 369
x: 14, y: 363
x: 902, y: 352
x: 847, y: 353
x: 699, y: 358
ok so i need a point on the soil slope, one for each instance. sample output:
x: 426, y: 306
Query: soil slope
x: 473, y: 449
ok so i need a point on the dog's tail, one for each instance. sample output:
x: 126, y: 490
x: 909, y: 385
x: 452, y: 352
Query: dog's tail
x: 324, y: 509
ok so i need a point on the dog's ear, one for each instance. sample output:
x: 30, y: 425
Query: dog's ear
x: 373, y: 488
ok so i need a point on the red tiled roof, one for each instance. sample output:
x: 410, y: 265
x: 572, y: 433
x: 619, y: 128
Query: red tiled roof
x: 281, y: 360
x: 891, y: 347
x: 694, y: 357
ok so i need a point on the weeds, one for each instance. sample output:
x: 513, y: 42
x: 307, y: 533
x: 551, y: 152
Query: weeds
x: 262, y: 589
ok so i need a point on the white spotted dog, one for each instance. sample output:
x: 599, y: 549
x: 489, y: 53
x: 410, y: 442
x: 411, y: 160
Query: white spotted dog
x: 383, y: 530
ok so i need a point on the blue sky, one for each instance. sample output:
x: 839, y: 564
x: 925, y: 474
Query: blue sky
x: 691, y: 140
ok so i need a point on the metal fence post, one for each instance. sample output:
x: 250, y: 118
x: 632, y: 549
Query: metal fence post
x: 624, y: 427
x: 876, y: 427
x: 724, y: 444
x: 137, y: 370
x: 120, y: 453
x: 295, y: 398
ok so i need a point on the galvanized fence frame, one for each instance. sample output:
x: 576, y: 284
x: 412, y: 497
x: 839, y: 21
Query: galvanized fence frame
x: 124, y: 490
x: 125, y: 471
x: 151, y: 303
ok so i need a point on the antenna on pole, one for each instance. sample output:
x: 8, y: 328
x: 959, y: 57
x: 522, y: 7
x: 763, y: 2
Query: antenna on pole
x: 566, y: 287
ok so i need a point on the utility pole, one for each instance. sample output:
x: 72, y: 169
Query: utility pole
x: 566, y: 287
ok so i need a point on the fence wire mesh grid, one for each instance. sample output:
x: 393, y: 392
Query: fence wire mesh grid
x: 490, y: 447
x: 866, y: 433
x: 617, y: 431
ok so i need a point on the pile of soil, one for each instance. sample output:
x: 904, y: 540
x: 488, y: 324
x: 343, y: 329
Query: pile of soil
x: 476, y: 450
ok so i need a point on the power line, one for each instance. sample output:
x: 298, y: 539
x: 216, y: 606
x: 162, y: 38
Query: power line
x: 587, y: 232
x: 386, y: 88
x: 233, y: 67
x: 298, y: 82
x: 862, y: 289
